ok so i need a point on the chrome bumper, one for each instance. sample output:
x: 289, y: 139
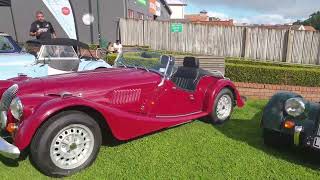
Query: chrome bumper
x: 8, y: 150
x: 297, y: 134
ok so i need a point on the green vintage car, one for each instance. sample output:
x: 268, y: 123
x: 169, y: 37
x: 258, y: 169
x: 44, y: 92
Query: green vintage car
x: 289, y: 119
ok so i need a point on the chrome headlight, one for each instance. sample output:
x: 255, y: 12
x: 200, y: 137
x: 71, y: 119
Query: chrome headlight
x: 16, y: 108
x: 295, y: 107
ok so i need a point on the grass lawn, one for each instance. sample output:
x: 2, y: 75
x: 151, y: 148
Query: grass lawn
x: 194, y: 151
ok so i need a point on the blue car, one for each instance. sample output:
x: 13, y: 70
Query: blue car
x: 45, y: 58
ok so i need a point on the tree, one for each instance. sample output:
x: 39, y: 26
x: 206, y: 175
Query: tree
x: 313, y: 20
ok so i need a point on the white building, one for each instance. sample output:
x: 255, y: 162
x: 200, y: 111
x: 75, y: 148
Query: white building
x: 177, y: 8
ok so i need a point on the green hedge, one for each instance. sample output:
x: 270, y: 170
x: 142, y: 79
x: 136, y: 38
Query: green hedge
x: 239, y: 70
x: 146, y: 54
x: 255, y: 73
x: 267, y: 63
x: 133, y: 59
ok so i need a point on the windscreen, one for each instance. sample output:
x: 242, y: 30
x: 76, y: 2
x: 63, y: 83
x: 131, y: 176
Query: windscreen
x: 5, y: 45
x: 147, y: 60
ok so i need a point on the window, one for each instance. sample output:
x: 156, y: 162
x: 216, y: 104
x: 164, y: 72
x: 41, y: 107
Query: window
x: 5, y: 45
x: 130, y: 14
x: 58, y: 52
x: 140, y: 16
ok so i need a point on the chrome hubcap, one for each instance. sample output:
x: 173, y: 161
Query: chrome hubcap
x: 224, y: 107
x: 72, y: 146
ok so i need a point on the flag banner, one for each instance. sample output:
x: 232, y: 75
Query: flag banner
x: 5, y: 3
x: 62, y: 11
x: 155, y: 7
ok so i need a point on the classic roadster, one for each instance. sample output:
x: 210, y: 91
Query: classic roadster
x: 61, y: 118
x: 288, y: 119
x: 44, y: 58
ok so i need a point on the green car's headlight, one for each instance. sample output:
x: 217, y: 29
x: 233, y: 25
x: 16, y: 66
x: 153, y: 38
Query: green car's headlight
x: 16, y: 108
x: 295, y: 107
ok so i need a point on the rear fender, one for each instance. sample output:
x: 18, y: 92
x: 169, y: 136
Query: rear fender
x: 215, y: 88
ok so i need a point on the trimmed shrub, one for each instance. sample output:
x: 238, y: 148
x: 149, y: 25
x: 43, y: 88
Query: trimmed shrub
x: 267, y: 63
x: 110, y: 58
x: 133, y: 59
x: 295, y: 76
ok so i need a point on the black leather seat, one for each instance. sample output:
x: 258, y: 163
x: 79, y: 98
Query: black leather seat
x: 187, y: 76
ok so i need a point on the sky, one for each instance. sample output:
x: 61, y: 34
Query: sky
x: 256, y: 11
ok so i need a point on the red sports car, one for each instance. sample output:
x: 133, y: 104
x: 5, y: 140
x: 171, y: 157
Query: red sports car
x: 61, y: 119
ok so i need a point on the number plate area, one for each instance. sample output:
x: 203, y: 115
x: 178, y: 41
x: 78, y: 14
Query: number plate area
x: 316, y: 142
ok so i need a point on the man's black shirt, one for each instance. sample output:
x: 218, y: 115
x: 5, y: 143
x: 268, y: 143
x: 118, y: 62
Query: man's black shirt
x: 45, y: 27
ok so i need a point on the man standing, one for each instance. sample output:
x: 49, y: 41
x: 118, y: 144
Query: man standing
x: 42, y: 29
x: 117, y: 46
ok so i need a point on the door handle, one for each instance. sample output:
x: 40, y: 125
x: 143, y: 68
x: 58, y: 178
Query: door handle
x: 174, y: 88
x: 192, y: 97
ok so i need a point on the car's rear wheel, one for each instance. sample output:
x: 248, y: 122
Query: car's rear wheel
x: 66, y: 144
x: 223, y: 107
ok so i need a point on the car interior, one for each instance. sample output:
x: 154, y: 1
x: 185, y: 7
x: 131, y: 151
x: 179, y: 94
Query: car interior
x: 188, y: 75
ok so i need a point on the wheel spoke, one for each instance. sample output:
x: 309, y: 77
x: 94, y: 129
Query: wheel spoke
x: 69, y: 144
x: 224, y: 107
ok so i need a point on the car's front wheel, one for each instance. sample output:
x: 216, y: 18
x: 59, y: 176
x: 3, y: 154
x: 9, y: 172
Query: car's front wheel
x: 66, y: 144
x: 223, y: 107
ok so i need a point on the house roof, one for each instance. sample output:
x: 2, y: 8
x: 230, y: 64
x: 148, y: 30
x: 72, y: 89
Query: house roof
x: 310, y: 28
x: 177, y: 2
x: 286, y: 27
x: 196, y: 17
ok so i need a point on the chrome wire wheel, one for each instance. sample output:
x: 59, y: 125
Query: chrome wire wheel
x: 224, y: 107
x: 72, y: 146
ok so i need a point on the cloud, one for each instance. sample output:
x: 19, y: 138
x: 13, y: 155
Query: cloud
x: 218, y: 15
x: 265, y: 19
x: 286, y: 8
x: 257, y: 19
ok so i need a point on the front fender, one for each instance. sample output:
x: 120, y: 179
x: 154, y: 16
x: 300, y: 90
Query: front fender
x: 215, y: 88
x: 43, y: 112
x: 273, y: 117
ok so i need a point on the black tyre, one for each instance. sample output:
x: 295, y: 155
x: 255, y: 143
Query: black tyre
x: 223, y: 107
x: 67, y: 143
x: 275, y: 139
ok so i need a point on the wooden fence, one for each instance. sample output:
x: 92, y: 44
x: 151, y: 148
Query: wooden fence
x: 289, y: 46
x: 209, y: 63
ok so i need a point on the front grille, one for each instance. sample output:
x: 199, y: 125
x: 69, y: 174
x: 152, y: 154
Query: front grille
x: 5, y: 102
x: 8, y: 96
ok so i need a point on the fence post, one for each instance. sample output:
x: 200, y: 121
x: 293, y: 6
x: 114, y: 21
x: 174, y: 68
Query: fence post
x: 247, y: 42
x: 289, y: 46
